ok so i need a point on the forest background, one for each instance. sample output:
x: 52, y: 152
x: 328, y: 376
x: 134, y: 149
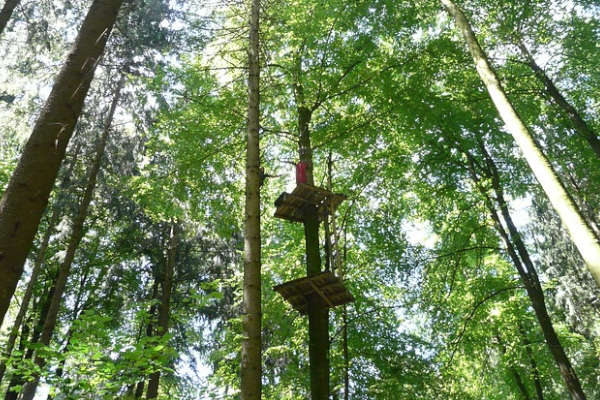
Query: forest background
x: 447, y: 241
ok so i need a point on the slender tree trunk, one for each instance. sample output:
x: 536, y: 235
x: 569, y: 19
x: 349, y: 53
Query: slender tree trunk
x: 139, y: 390
x: 6, y: 13
x: 139, y: 387
x: 519, y: 382
x: 346, y: 354
x: 318, y: 316
x: 578, y: 122
x: 522, y: 262
x: 39, y: 260
x: 12, y: 337
x: 581, y: 234
x: 537, y: 381
x: 534, y: 288
x: 163, y: 311
x: 26, y: 195
x: 19, y: 380
x: 16, y: 379
x: 340, y: 262
x: 251, y: 366
x: 589, y: 213
x: 513, y: 371
x: 77, y: 312
x: 77, y: 233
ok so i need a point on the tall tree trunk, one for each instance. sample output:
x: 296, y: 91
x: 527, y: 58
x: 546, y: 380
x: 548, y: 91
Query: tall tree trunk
x: 163, y: 311
x: 537, y: 381
x: 522, y: 262
x: 139, y: 387
x: 318, y: 316
x: 139, y: 390
x: 251, y: 365
x: 78, y: 310
x: 6, y: 13
x: 581, y: 234
x: 26, y: 195
x: 77, y: 233
x: 346, y: 352
x: 12, y: 337
x: 19, y: 380
x: 513, y: 371
x: 39, y: 260
x: 578, y: 122
x: 15, y: 378
x: 589, y: 213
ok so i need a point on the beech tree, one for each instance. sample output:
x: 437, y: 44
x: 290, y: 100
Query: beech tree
x: 582, y: 235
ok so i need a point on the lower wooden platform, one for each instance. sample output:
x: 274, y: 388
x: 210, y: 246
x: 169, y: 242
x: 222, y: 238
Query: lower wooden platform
x: 326, y: 287
x: 293, y: 204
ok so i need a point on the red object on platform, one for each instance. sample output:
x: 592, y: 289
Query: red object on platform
x: 301, y: 172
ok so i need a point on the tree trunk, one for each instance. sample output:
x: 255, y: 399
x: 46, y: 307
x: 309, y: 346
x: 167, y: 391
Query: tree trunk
x: 139, y: 390
x: 12, y: 337
x: 77, y: 233
x: 346, y: 354
x: 6, y: 13
x: 318, y: 316
x: 163, y: 311
x: 581, y: 234
x: 580, y: 125
x: 26, y: 195
x: 539, y: 391
x: 588, y: 212
x: 522, y: 262
x: 77, y: 312
x: 513, y: 371
x: 251, y: 366
x: 18, y: 380
x: 139, y: 387
x: 39, y: 260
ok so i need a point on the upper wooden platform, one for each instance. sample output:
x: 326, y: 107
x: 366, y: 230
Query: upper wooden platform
x: 326, y: 287
x: 292, y: 207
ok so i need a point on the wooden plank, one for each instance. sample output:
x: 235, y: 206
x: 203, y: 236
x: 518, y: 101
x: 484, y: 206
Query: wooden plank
x: 321, y: 293
x: 329, y: 287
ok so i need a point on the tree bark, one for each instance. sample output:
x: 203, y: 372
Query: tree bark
x: 318, y: 316
x: 165, y: 303
x: 26, y: 195
x: 346, y: 351
x: 139, y: 387
x: 522, y: 262
x: 578, y: 122
x: 513, y: 371
x: 581, y: 234
x: 78, y: 310
x: 17, y: 380
x: 77, y: 233
x: 6, y: 13
x: 14, y: 330
x: 39, y: 260
x: 251, y: 365
x: 539, y: 391
x: 139, y: 390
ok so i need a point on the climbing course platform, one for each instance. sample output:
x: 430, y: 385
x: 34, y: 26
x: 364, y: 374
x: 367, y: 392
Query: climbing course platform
x: 329, y: 289
x: 290, y: 206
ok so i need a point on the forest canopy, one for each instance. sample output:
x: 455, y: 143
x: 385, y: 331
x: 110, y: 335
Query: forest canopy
x: 368, y: 199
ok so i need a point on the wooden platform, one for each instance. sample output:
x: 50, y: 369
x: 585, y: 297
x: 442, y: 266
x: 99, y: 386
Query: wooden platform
x: 292, y: 207
x: 329, y: 289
